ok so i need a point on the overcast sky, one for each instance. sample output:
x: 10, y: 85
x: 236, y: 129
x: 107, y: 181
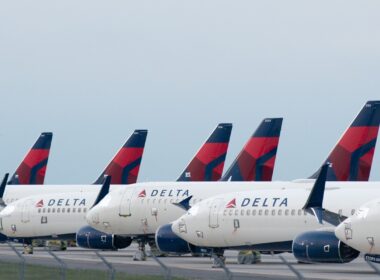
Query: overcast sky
x: 93, y: 71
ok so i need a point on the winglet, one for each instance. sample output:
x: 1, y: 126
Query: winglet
x: 104, y: 190
x: 2, y: 189
x: 184, y: 204
x: 315, y: 200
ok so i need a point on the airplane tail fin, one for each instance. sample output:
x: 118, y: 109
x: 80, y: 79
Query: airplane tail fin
x: 257, y: 159
x: 351, y: 158
x: 32, y: 169
x: 124, y: 167
x: 208, y: 163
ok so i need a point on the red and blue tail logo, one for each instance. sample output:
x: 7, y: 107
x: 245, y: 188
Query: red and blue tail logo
x: 124, y: 167
x: 257, y: 159
x: 351, y: 159
x: 208, y: 163
x: 231, y: 204
x: 32, y: 169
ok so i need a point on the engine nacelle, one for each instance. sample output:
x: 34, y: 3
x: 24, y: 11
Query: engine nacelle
x: 3, y: 238
x: 322, y: 247
x: 168, y: 242
x: 90, y: 238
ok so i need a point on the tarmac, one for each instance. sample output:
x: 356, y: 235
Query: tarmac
x: 271, y: 267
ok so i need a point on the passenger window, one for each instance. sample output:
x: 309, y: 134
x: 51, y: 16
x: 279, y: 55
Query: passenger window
x: 84, y: 210
x: 279, y: 212
x: 293, y: 212
x: 248, y: 212
x: 43, y: 210
x: 254, y: 212
x: 236, y: 212
x: 79, y: 210
x: 230, y: 212
x: 58, y: 210
x: 286, y: 212
x: 352, y: 211
x: 68, y: 210
x: 260, y: 212
x: 63, y: 210
x: 39, y: 210
x: 266, y: 212
x: 299, y: 212
x: 74, y: 210
x: 242, y: 212
x: 273, y: 212
x: 53, y: 210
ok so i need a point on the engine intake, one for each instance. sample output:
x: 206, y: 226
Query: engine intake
x: 322, y: 247
x: 168, y: 242
x: 90, y: 238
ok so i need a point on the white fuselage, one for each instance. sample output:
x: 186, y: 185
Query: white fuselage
x: 219, y: 222
x: 361, y: 231
x: 46, y: 211
x: 142, y: 208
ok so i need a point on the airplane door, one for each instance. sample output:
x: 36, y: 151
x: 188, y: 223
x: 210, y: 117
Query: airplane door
x: 214, y: 211
x: 25, y: 213
x: 125, y: 203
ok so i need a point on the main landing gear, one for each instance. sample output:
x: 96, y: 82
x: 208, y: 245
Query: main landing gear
x: 28, y: 247
x: 140, y: 254
x: 219, y: 259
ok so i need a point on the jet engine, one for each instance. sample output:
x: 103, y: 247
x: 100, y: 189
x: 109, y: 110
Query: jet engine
x: 322, y: 247
x: 90, y: 238
x: 167, y: 241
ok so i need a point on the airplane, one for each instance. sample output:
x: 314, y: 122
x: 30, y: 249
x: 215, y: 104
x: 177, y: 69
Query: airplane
x: 274, y: 220
x: 32, y: 169
x: 265, y: 137
x: 123, y: 169
x: 139, y: 210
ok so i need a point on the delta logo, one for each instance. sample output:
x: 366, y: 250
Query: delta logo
x: 142, y: 194
x: 231, y: 204
x: 40, y: 203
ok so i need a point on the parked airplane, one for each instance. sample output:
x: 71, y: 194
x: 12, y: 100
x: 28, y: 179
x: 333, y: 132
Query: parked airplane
x: 123, y: 169
x: 139, y: 210
x: 269, y: 220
